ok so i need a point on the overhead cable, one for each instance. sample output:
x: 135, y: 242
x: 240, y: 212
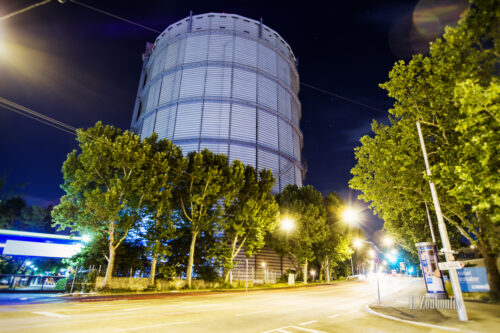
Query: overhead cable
x: 20, y: 11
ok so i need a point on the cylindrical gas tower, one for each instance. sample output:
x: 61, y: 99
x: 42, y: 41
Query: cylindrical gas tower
x: 226, y: 83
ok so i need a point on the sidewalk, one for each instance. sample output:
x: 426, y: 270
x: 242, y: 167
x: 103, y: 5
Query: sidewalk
x: 482, y: 317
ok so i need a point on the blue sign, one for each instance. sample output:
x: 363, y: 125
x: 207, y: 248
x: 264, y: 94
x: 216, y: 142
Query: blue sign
x: 473, y: 279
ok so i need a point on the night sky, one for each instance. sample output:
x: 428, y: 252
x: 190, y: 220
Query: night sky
x: 80, y: 66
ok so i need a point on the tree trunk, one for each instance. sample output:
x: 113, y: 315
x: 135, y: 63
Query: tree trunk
x: 327, y: 271
x: 305, y: 272
x: 189, y: 272
x: 490, y: 263
x: 153, y: 269
x: 109, y: 269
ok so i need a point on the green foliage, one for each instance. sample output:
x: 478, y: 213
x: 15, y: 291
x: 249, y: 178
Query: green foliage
x: 61, y: 284
x: 249, y: 216
x: 305, y: 206
x: 454, y: 94
x: 205, y: 183
x: 104, y: 185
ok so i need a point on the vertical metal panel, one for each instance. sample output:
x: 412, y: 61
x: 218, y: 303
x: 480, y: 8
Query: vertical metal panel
x: 153, y: 93
x: 245, y: 51
x: 161, y: 123
x: 267, y: 92
x: 244, y: 85
x: 243, y: 123
x: 287, y: 168
x: 296, y: 146
x: 268, y: 160
x: 167, y: 89
x: 268, y: 130
x: 215, y: 123
x: 193, y: 81
x: 171, y: 56
x: 218, y: 83
x: 243, y: 153
x: 188, y: 121
x: 283, y: 69
x: 267, y: 59
x: 286, y: 137
x: 147, y: 127
x: 284, y: 102
x: 196, y: 49
x: 221, y: 47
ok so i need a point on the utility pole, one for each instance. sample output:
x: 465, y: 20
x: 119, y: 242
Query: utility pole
x: 457, y: 291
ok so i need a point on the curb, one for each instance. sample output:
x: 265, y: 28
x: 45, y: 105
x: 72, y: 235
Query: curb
x: 416, y: 323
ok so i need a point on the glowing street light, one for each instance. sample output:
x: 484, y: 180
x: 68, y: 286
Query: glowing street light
x: 358, y: 242
x: 287, y: 224
x: 394, y: 251
x: 86, y: 238
x: 350, y: 215
x: 372, y: 253
x: 389, y: 241
x: 313, y: 272
x: 263, y: 265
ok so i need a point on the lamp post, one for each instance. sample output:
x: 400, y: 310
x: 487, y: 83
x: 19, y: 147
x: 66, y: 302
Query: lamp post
x: 455, y: 284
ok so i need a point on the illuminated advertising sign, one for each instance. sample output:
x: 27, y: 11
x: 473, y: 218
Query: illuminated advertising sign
x: 37, y: 249
x: 429, y: 261
x: 473, y: 279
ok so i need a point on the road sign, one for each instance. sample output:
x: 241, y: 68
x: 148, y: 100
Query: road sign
x: 444, y: 266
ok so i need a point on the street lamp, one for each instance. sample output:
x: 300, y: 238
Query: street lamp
x: 287, y: 224
x: 389, y: 241
x: 313, y: 272
x: 350, y: 215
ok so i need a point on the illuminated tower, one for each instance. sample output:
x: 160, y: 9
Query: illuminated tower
x: 226, y: 83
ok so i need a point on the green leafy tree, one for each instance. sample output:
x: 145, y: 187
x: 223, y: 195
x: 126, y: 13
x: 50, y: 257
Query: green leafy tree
x: 335, y: 247
x: 206, y: 181
x: 165, y: 164
x: 453, y: 92
x: 249, y: 216
x: 305, y: 205
x: 104, y: 186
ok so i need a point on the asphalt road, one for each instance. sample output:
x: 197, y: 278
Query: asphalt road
x: 326, y: 308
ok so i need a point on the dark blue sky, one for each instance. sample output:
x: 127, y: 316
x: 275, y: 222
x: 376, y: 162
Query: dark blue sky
x: 79, y: 66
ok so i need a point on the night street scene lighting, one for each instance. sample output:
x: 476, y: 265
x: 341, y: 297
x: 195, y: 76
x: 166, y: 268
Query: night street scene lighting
x: 210, y: 166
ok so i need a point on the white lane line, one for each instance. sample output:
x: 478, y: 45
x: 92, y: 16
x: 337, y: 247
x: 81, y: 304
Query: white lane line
x: 282, y: 329
x: 308, y: 322
x: 152, y: 326
x: 306, y: 329
x: 250, y: 313
x: 51, y: 314
x: 131, y: 309
x: 334, y: 316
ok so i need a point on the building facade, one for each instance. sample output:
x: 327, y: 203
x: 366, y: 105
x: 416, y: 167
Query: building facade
x: 226, y: 83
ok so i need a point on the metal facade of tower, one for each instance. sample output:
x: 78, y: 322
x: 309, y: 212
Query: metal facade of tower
x: 226, y: 83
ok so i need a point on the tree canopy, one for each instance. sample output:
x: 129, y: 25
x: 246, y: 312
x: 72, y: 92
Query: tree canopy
x: 454, y: 93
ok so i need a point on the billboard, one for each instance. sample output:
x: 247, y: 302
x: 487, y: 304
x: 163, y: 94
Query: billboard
x: 38, y: 249
x: 433, y: 277
x: 473, y: 279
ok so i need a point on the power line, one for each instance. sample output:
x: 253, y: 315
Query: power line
x: 341, y: 97
x: 37, y: 119
x: 20, y: 11
x: 113, y: 15
x: 37, y: 115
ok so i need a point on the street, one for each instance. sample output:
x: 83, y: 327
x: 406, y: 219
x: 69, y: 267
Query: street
x: 325, y: 308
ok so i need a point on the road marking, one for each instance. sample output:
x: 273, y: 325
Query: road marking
x: 152, y: 326
x: 413, y: 322
x: 282, y: 329
x: 23, y: 298
x: 51, y: 314
x: 250, y: 313
x: 131, y: 309
x: 308, y: 322
x: 334, y: 316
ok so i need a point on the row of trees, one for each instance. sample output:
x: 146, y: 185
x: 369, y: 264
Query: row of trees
x: 170, y: 205
x: 454, y: 92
